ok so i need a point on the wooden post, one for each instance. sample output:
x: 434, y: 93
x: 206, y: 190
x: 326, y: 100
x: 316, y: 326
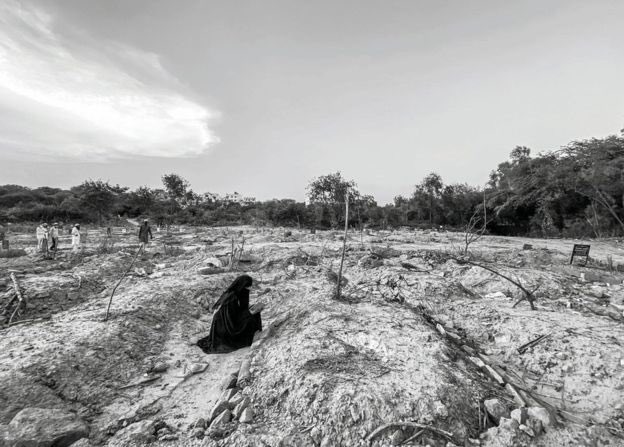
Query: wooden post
x: 344, y: 244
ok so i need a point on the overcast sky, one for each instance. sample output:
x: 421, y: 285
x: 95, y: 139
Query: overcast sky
x: 259, y: 97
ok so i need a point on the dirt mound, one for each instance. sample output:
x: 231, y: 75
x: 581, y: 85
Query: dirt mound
x: 417, y: 341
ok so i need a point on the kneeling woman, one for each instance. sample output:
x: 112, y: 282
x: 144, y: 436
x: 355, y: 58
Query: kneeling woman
x: 233, y: 324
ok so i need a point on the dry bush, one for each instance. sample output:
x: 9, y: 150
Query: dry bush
x: 107, y: 245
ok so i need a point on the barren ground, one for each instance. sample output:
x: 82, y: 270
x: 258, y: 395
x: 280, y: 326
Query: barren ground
x: 407, y: 341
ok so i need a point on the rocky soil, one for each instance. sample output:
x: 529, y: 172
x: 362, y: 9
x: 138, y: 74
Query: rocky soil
x: 421, y: 348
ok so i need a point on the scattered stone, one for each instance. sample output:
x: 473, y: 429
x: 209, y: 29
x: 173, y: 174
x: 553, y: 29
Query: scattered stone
x: 520, y: 415
x: 236, y: 399
x: 43, y: 427
x: 219, y: 408
x: 244, y: 375
x: 200, y: 423
x: 496, y: 295
x: 396, y: 438
x: 213, y: 262
x: 222, y: 419
x: 477, y: 361
x: 229, y: 394
x: 527, y: 247
x: 527, y: 430
x: 495, y: 409
x: 440, y: 410
x: 197, y: 433
x: 197, y: 368
x: 229, y: 382
x: 238, y: 410
x: 139, y: 432
x: 160, y: 366
x: 246, y: 416
x: 540, y: 414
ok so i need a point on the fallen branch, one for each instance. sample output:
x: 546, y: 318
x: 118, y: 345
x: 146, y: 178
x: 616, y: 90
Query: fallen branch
x: 528, y: 295
x: 141, y: 382
x: 443, y: 433
x: 34, y: 320
x: 522, y: 349
x: 121, y: 279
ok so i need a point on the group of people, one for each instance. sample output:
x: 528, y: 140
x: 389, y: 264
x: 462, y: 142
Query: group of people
x: 48, y: 237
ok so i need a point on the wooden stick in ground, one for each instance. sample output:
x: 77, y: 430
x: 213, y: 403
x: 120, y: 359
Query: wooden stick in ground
x: 344, y: 244
x: 121, y: 279
x: 376, y: 432
x: 232, y: 255
x: 19, y: 295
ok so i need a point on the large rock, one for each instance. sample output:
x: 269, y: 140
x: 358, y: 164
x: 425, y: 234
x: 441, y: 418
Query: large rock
x: 43, y: 427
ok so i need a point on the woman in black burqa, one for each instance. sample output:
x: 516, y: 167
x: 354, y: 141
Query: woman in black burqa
x: 233, y: 325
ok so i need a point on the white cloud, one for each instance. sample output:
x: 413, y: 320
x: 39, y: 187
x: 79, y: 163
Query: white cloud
x: 88, y: 99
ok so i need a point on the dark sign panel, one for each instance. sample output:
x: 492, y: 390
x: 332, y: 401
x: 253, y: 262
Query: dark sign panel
x: 580, y: 250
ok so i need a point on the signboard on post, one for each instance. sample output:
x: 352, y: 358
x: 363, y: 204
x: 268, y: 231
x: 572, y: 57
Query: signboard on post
x: 580, y: 250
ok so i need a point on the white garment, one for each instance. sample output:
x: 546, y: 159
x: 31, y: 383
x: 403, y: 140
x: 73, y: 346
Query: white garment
x: 75, y: 239
x: 42, y: 235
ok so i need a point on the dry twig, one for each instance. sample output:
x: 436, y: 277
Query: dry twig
x: 121, y: 279
x: 522, y: 349
x: 20, y: 297
x: 528, y: 295
x: 438, y: 431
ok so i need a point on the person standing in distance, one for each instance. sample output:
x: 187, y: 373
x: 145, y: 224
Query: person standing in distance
x: 75, y: 233
x: 145, y: 232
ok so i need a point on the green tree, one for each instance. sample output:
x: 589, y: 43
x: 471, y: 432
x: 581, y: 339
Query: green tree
x: 330, y: 190
x: 427, y: 194
x: 98, y: 196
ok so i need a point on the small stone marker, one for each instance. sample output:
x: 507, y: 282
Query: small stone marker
x: 580, y: 250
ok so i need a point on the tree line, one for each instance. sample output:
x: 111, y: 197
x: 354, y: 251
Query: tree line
x: 575, y: 191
